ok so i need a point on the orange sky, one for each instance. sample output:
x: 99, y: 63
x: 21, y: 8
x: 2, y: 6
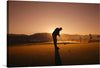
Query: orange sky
x: 36, y: 17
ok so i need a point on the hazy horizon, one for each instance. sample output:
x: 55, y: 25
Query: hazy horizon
x: 43, y: 17
x: 50, y: 33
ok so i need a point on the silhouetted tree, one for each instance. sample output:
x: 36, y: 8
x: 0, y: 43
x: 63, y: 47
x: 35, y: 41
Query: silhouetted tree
x: 90, y: 37
x: 80, y: 39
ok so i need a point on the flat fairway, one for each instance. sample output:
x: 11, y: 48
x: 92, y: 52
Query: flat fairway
x: 46, y: 54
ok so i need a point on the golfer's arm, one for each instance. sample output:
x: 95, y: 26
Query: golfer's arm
x: 58, y: 34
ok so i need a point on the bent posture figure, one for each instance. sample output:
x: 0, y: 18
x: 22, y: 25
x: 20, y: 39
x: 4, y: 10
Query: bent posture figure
x: 54, y: 35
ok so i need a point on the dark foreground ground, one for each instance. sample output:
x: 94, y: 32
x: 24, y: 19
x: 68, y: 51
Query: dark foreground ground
x: 46, y: 55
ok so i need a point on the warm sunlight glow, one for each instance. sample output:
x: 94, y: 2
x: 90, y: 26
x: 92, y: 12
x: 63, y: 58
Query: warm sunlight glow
x: 51, y: 31
x: 39, y: 17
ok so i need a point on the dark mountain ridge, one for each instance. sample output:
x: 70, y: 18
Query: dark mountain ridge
x: 45, y: 37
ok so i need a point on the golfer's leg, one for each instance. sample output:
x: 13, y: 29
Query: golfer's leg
x: 55, y: 43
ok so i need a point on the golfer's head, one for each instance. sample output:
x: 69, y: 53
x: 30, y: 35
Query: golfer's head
x: 60, y: 28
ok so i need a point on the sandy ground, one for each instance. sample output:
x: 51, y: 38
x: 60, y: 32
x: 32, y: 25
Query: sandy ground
x: 46, y: 54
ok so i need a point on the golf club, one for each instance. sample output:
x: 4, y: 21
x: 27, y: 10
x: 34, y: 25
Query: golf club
x: 62, y: 40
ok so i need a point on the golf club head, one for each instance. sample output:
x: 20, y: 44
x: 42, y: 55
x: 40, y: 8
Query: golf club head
x: 64, y: 43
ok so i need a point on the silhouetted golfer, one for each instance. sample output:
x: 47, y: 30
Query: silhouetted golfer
x: 54, y: 35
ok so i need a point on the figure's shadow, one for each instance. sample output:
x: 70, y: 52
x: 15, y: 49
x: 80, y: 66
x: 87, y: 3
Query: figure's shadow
x: 57, y: 57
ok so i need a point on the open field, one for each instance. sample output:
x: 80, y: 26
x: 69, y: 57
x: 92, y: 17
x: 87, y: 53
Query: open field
x: 46, y: 54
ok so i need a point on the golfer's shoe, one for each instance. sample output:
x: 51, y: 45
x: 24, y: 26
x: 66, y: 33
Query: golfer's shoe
x: 57, y: 47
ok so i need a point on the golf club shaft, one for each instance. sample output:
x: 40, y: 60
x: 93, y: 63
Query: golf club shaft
x: 61, y: 40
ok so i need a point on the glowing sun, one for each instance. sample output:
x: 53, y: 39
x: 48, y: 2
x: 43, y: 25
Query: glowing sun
x: 51, y: 31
